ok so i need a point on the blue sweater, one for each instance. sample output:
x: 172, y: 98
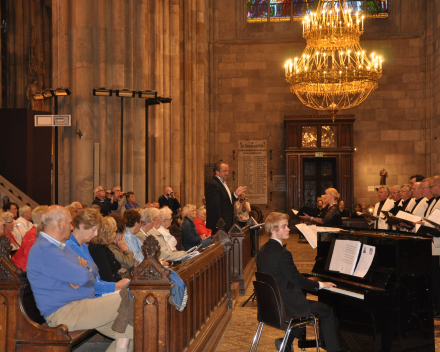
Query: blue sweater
x: 100, y: 286
x: 51, y: 269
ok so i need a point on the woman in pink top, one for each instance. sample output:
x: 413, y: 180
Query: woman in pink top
x: 200, y: 222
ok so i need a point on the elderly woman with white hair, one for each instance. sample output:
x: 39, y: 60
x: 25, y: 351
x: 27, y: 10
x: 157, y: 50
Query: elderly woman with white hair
x: 23, y: 224
x: 167, y: 250
x: 190, y: 237
x: 21, y: 257
x: 8, y: 219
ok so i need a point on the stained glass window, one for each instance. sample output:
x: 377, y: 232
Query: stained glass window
x: 309, y: 136
x: 329, y: 136
x: 295, y: 10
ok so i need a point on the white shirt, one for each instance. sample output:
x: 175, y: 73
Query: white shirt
x: 171, y: 240
x: 226, y: 186
x: 20, y: 228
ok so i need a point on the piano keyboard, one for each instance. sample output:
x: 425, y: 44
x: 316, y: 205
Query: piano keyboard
x: 344, y: 292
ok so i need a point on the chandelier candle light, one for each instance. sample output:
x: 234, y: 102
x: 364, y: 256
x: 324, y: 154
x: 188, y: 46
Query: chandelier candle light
x: 333, y: 73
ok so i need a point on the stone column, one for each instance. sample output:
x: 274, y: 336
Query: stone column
x: 138, y: 45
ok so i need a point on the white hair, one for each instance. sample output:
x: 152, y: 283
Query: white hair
x: 24, y: 209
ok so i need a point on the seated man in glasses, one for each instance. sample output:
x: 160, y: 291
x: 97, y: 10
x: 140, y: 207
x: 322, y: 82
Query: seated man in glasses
x: 62, y: 282
x: 274, y: 259
x: 104, y: 201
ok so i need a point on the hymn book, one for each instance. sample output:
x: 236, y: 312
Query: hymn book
x: 367, y: 215
x: 402, y: 216
x: 434, y: 217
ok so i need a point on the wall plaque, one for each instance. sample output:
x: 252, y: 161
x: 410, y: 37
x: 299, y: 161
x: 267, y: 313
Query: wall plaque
x: 279, y: 183
x: 252, y: 169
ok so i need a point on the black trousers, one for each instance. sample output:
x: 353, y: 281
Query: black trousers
x: 328, y: 323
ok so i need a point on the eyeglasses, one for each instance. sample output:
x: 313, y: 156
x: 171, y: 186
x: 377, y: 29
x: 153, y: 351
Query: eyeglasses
x: 9, y: 222
x: 432, y: 186
x: 101, y: 190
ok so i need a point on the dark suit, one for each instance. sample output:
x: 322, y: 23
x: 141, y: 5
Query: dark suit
x: 276, y: 260
x: 218, y: 204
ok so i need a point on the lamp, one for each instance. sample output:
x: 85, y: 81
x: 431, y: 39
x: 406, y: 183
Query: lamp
x: 146, y: 94
x: 125, y: 93
x: 38, y: 95
x: 61, y: 91
x: 48, y: 93
x: 333, y: 73
x: 164, y: 100
x: 104, y: 92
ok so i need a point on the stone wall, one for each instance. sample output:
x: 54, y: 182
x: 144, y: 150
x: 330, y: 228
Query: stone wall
x: 250, y: 96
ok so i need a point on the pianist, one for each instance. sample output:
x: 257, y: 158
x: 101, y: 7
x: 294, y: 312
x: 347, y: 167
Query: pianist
x: 274, y: 259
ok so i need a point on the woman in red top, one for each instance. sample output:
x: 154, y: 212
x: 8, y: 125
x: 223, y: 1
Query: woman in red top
x: 21, y: 257
x: 200, y: 222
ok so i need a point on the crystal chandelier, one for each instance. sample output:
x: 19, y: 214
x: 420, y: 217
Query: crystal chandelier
x: 333, y: 73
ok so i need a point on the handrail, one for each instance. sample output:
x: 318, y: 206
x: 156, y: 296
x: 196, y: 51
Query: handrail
x: 14, y: 194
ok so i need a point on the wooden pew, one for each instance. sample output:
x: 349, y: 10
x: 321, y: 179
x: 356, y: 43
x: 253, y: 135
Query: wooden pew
x: 157, y: 325
x: 242, y: 262
x: 18, y: 331
x: 355, y: 222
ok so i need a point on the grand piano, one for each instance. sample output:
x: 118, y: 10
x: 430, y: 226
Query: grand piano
x: 390, y: 308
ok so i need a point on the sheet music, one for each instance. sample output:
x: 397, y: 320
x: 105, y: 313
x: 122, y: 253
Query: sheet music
x: 436, y: 241
x: 309, y: 233
x: 435, y: 216
x: 367, y: 256
x: 295, y: 211
x: 345, y: 254
x: 406, y: 216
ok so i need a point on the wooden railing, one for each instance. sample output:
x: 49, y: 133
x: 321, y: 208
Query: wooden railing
x: 157, y: 325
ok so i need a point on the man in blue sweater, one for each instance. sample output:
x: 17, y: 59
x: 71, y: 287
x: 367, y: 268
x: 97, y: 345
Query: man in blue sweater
x: 62, y: 282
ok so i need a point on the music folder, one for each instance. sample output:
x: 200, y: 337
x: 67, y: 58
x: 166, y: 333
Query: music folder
x: 367, y: 215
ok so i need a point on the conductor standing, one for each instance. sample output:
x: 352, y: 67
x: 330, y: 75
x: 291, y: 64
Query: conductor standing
x: 219, y: 199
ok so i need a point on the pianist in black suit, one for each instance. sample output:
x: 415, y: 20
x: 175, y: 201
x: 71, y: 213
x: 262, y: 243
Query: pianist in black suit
x: 274, y: 259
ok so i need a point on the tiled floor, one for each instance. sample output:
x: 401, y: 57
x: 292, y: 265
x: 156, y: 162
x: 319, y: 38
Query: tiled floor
x: 241, y: 329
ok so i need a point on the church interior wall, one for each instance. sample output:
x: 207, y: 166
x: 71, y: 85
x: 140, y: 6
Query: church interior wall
x: 251, y: 97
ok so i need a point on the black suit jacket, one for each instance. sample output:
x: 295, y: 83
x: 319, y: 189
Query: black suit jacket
x: 275, y: 260
x: 218, y: 205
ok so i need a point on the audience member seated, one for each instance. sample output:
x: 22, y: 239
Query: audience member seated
x: 146, y: 225
x: 344, y: 212
x: 168, y: 199
x: 12, y: 208
x: 63, y: 282
x: 131, y: 201
x: 77, y: 205
x: 120, y: 197
x: 104, y: 201
x: 163, y: 226
x: 23, y: 224
x: 200, y: 223
x: 85, y: 226
x: 357, y: 209
x: 190, y: 237
x: 21, y: 257
x: 155, y: 205
x: 119, y: 247
x: 109, y: 268
x: 166, y: 251
x: 133, y: 226
x: 242, y: 210
x: 333, y: 216
x: 7, y: 230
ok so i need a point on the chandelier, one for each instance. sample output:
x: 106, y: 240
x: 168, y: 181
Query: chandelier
x: 333, y: 73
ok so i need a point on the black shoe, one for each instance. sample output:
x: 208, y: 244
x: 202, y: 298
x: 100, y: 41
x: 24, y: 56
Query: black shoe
x: 278, y: 345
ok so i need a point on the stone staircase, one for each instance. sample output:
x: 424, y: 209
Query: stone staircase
x: 10, y: 193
